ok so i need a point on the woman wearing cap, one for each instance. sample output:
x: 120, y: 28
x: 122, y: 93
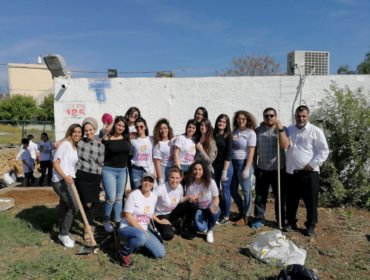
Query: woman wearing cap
x: 163, y: 149
x: 107, y: 120
x: 142, y: 153
x: 203, y: 194
x: 138, y: 210
x: 114, y: 172
x: 88, y: 178
x: 206, y: 146
x: 64, y: 172
x: 184, y: 147
x: 244, y: 144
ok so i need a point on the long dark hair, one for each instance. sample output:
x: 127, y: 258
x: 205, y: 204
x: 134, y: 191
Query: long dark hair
x: 132, y: 110
x: 251, y: 120
x: 156, y: 131
x: 209, y: 135
x: 204, y: 111
x: 125, y: 133
x: 206, y: 178
x: 140, y: 119
x: 191, y: 121
x: 227, y: 130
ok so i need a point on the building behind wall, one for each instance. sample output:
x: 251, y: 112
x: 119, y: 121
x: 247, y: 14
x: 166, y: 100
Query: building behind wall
x: 308, y: 63
x: 30, y: 80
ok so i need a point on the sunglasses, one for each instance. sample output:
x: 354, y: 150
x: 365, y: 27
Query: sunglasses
x: 140, y: 126
x: 268, y: 116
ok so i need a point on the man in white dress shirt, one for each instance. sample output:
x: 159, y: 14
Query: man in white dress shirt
x: 307, y: 151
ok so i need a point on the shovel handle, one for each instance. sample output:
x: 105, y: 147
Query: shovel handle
x: 84, y: 218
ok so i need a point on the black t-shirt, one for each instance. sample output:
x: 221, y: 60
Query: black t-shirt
x: 116, y: 153
x: 224, y: 147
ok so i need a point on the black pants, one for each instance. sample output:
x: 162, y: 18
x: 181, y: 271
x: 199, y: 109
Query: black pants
x: 46, y: 165
x: 183, y: 210
x: 305, y: 185
x: 265, y: 179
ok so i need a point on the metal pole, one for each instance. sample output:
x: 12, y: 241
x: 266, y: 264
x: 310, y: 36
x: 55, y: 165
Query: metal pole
x: 278, y: 178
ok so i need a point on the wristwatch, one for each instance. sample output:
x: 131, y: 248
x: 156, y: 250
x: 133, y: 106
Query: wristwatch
x: 281, y: 130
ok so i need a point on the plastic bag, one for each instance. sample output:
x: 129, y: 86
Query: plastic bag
x: 274, y: 248
x: 8, y: 179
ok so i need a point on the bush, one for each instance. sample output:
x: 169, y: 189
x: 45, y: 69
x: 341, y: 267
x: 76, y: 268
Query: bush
x: 345, y: 117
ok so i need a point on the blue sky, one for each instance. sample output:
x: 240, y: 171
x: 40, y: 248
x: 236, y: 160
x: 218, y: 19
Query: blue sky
x: 199, y: 37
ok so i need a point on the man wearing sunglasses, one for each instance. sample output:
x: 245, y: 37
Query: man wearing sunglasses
x: 307, y: 151
x: 266, y: 166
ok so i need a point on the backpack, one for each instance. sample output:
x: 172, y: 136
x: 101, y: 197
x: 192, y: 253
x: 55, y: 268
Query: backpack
x: 297, y: 272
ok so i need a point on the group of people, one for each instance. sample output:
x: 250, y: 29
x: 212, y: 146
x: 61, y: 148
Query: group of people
x: 32, y: 154
x: 186, y: 183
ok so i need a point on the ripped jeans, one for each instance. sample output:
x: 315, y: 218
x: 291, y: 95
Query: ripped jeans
x: 114, y: 183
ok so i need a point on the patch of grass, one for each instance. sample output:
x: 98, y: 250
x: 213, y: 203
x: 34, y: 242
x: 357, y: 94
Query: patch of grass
x: 12, y: 134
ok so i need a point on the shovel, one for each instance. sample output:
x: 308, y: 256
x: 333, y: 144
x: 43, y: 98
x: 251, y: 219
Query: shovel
x: 85, y: 250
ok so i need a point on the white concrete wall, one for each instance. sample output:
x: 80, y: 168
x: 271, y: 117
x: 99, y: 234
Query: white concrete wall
x: 177, y: 98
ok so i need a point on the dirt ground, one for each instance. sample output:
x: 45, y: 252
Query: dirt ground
x: 340, y: 245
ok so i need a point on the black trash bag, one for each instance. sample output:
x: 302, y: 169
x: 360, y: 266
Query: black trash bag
x: 297, y: 272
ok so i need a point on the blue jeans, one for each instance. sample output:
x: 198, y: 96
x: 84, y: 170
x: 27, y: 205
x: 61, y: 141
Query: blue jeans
x: 136, y: 175
x: 245, y: 206
x: 225, y: 198
x: 205, y: 219
x: 114, y: 182
x: 136, y: 238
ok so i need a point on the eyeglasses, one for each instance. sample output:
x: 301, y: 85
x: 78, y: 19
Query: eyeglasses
x: 268, y: 116
x: 140, y: 126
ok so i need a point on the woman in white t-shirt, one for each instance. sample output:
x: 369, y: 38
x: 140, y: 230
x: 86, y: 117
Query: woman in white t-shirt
x: 132, y: 114
x: 64, y: 173
x: 203, y: 194
x: 170, y: 204
x: 243, y: 146
x: 184, y: 147
x: 163, y: 149
x: 138, y: 210
x: 142, y: 154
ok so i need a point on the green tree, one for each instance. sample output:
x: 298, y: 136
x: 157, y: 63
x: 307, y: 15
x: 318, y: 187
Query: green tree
x: 345, y: 117
x: 345, y: 70
x: 263, y: 65
x: 47, y: 109
x: 364, y: 67
x: 18, y: 107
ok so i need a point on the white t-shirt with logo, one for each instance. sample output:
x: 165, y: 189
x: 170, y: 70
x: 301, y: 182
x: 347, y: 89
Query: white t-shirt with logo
x: 168, y: 198
x: 68, y: 159
x: 141, y: 207
x: 163, y: 151
x: 187, y: 149
x: 204, y: 195
x: 141, y: 151
x: 241, y: 141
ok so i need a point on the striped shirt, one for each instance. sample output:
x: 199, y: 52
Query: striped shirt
x: 90, y: 155
x: 266, y: 151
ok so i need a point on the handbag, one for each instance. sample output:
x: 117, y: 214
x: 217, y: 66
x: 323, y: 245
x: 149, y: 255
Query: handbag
x: 152, y: 228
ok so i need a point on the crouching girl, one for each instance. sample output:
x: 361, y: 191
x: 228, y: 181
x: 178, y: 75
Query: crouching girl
x: 137, y: 213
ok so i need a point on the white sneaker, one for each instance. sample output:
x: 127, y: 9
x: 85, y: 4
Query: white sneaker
x: 209, y: 237
x: 66, y: 241
x: 108, y: 226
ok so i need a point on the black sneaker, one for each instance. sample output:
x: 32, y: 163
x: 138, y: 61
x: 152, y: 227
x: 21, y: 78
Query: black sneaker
x: 188, y: 233
x: 310, y: 232
x: 290, y: 228
x: 223, y: 221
